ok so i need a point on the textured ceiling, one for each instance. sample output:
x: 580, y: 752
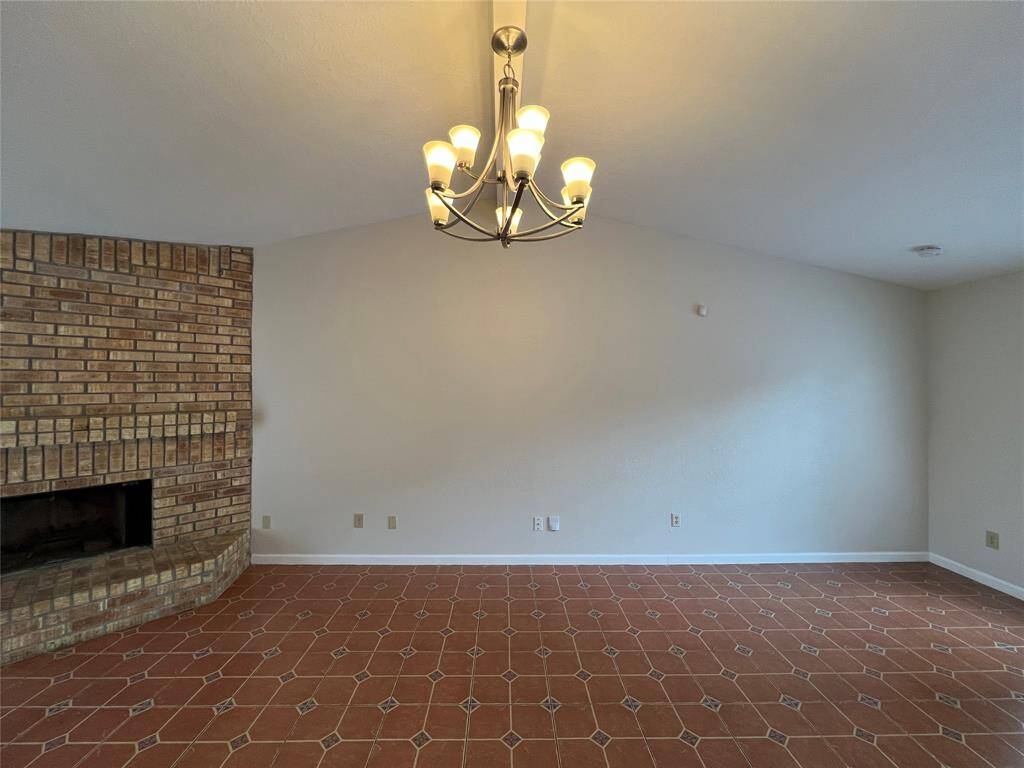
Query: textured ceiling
x: 838, y: 134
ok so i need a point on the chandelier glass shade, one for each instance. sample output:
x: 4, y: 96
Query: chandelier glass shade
x: 509, y: 169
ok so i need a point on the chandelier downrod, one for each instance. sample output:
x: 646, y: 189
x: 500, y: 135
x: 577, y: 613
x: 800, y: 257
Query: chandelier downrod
x: 511, y: 163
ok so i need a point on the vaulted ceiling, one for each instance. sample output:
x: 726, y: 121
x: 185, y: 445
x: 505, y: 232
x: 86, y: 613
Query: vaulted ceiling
x: 838, y: 134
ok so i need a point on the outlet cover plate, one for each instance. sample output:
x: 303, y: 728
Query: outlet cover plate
x: 991, y: 539
x: 266, y: 522
x: 357, y: 520
x: 392, y: 522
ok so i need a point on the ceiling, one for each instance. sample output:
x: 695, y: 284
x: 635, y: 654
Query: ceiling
x: 838, y: 134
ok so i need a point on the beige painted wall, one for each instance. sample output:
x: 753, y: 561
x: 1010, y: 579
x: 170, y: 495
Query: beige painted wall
x: 976, y: 424
x: 466, y: 389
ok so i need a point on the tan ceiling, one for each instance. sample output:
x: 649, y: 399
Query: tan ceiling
x: 838, y: 134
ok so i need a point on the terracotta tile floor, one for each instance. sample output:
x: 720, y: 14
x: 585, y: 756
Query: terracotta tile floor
x: 713, y: 666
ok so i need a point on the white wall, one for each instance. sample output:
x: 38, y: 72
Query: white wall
x: 466, y: 389
x: 976, y: 423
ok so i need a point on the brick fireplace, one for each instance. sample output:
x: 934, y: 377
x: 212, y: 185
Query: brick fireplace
x: 123, y: 362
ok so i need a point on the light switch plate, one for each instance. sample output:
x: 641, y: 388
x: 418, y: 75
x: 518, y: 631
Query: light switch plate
x: 991, y: 539
x: 392, y: 522
x: 266, y: 522
x: 357, y: 520
x: 554, y: 522
x: 674, y: 519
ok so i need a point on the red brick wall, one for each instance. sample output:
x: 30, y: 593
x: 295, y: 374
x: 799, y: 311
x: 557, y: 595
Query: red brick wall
x: 128, y: 359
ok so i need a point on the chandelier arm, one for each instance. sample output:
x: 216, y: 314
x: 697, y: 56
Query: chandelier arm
x: 466, y: 209
x: 507, y: 225
x: 464, y: 219
x: 539, y: 193
x: 471, y: 239
x: 478, y: 178
x: 482, y: 178
x: 549, y: 225
x: 537, y: 196
x: 542, y: 238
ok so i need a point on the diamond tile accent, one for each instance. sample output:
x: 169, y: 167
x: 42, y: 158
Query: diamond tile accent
x: 144, y: 744
x: 600, y: 738
x: 713, y: 704
x: 743, y: 650
x: 675, y: 650
x: 655, y: 674
x: 869, y: 701
x: 550, y: 704
x: 777, y: 736
x: 863, y: 735
x: 630, y: 703
x: 420, y: 739
x: 469, y: 704
x: 387, y: 705
x: 307, y: 706
x: 224, y: 706
x: 689, y: 737
x: 511, y: 739
x: 141, y: 707
x: 543, y: 652
x: 445, y: 631
x: 271, y: 653
x: 609, y: 651
x: 330, y: 740
x: 383, y: 631
x: 476, y: 651
x: 508, y: 631
x: 595, y: 614
x: 406, y: 652
x: 790, y: 702
x: 538, y: 614
x: 303, y: 614
x: 436, y: 675
x: 653, y: 614
x: 584, y: 675
x: 480, y: 615
x: 361, y: 675
x: 53, y: 709
x: 60, y: 741
x: 728, y: 674
x: 949, y: 733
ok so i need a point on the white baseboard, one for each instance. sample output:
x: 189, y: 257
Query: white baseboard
x: 981, y: 577
x: 662, y: 559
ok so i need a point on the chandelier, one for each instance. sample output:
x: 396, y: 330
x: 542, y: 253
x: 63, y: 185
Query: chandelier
x: 510, y: 167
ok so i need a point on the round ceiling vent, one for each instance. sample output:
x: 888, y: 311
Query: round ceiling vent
x: 927, y: 251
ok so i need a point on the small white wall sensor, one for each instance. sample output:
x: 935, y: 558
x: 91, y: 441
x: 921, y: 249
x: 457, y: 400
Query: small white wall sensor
x: 554, y: 522
x: 701, y: 310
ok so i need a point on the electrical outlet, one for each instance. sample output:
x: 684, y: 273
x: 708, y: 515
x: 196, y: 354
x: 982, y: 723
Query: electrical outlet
x: 392, y: 522
x: 538, y: 523
x: 357, y: 520
x: 675, y: 519
x: 991, y: 539
x: 266, y: 522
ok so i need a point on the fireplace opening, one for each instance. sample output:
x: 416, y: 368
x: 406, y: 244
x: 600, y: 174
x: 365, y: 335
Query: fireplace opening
x: 61, y: 525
